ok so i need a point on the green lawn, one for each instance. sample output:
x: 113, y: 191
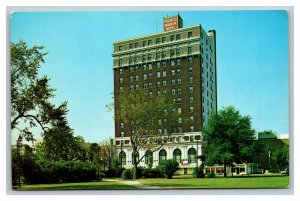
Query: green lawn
x: 220, y: 182
x: 102, y: 185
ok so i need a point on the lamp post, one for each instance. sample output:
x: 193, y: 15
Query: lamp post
x: 19, y: 145
x: 269, y: 161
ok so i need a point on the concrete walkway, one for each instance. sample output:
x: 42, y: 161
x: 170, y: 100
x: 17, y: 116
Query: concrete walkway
x: 136, y: 184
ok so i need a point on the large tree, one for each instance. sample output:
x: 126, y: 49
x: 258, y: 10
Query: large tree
x: 150, y: 121
x: 229, y: 138
x: 281, y: 156
x: 30, y: 94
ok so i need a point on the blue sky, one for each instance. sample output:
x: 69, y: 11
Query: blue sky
x: 252, y: 60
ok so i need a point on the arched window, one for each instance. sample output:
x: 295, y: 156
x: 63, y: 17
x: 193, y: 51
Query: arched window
x: 162, y: 156
x: 149, y: 157
x: 177, y: 155
x: 122, y: 158
x: 192, y: 155
x: 136, y: 157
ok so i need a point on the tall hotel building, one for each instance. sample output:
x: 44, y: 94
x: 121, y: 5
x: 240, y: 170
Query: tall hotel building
x: 181, y: 63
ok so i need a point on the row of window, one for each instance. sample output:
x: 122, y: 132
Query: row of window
x: 151, y: 41
x: 177, y: 156
x: 158, y: 75
x: 133, y: 60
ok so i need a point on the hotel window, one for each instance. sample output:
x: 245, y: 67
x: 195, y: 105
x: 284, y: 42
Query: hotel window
x: 120, y: 62
x: 190, y: 59
x: 131, y: 69
x: 136, y: 77
x: 173, y: 82
x: 178, y: 71
x: 121, y: 80
x: 150, y: 84
x: 157, y: 55
x: 121, y: 88
x: 158, y: 65
x: 137, y: 87
x: 122, y: 135
x: 191, y: 89
x: 163, y: 39
x: 150, y: 66
x: 173, y: 91
x: 190, y: 68
x: 131, y: 87
x: 145, y: 76
x: 157, y: 40
x: 178, y: 61
x: 149, y: 42
x: 164, y: 63
x: 163, y: 54
x: 158, y: 83
x: 144, y: 57
x: 191, y: 109
x: 179, y: 129
x: 192, y: 118
x: 149, y: 57
x: 158, y: 93
x: 164, y: 83
x: 135, y: 59
x: 164, y: 73
x: 144, y: 43
x: 150, y: 93
x: 178, y: 90
x: 145, y: 85
x: 164, y: 91
x: 131, y: 78
x: 144, y: 67
x: 172, y: 62
x: 189, y: 50
x: 178, y: 81
x: 136, y: 45
x: 190, y: 34
x: 171, y: 53
x: 120, y: 70
x: 191, y: 99
x: 158, y: 74
x: 178, y: 100
x: 190, y: 79
x: 173, y: 72
x: 120, y: 48
x: 179, y: 110
x: 178, y: 37
x: 177, y: 51
x: 130, y: 46
x: 172, y: 38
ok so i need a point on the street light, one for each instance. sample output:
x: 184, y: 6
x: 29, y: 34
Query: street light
x: 269, y: 161
x: 19, y: 145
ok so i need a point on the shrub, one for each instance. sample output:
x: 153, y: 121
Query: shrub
x: 198, y: 172
x: 139, y: 172
x: 126, y: 174
x: 168, y: 168
x: 211, y: 175
x: 43, y: 171
x: 151, y: 173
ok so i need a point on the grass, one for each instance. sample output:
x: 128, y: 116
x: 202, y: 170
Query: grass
x: 102, y: 185
x: 220, y: 182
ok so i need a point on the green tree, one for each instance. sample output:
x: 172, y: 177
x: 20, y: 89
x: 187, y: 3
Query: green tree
x: 281, y: 156
x: 168, y: 168
x: 229, y: 138
x: 150, y: 119
x: 96, y: 156
x: 30, y: 94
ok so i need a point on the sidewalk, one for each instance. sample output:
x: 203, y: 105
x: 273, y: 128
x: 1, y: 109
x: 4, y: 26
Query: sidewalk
x: 136, y: 184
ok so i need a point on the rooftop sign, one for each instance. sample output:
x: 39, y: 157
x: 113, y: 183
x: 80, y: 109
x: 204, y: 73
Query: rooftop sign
x: 172, y: 23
